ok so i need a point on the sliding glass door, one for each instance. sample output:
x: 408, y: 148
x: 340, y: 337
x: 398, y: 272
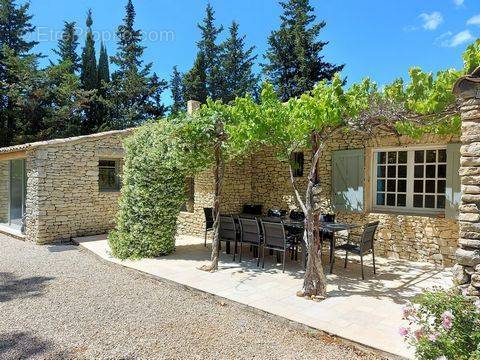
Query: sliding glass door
x: 17, y: 192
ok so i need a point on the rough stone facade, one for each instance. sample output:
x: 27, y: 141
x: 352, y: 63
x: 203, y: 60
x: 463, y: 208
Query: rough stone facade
x: 262, y: 179
x: 4, y: 191
x: 63, y: 196
x: 467, y: 269
x: 63, y: 199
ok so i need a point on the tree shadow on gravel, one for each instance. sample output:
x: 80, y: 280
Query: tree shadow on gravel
x: 12, y: 287
x: 24, y: 345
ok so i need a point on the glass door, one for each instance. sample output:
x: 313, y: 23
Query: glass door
x: 17, y: 192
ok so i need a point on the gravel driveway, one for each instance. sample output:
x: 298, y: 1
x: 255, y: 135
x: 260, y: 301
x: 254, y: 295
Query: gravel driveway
x: 62, y: 302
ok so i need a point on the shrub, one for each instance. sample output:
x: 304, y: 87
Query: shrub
x: 152, y: 194
x: 443, y: 325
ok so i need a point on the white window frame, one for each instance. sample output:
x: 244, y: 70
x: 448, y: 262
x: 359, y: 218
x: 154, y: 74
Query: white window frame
x: 408, y: 209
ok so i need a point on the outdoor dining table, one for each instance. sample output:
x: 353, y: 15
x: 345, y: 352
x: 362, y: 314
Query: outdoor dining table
x: 333, y: 227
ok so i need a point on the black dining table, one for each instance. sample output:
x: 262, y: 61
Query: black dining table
x: 332, y: 227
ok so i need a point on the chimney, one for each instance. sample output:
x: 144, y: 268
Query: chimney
x: 192, y: 106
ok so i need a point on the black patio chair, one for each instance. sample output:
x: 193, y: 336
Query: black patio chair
x: 250, y: 234
x: 228, y: 231
x: 297, y: 215
x: 363, y: 246
x: 252, y: 209
x: 275, y: 238
x: 276, y: 213
x: 208, y: 221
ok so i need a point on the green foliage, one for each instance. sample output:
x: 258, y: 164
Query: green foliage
x: 471, y: 57
x: 103, y: 66
x: 294, y: 58
x: 135, y: 94
x: 176, y: 86
x: 67, y: 46
x: 443, y: 324
x: 89, y: 74
x: 237, y: 67
x: 195, y: 81
x: 152, y: 194
x: 211, y: 51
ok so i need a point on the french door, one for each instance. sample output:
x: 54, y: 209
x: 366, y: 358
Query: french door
x: 18, y: 181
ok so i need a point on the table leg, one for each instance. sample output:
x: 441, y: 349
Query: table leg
x: 304, y: 254
x: 332, y: 251
x: 228, y: 247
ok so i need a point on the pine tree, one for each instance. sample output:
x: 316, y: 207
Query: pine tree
x: 136, y: 95
x: 195, y: 81
x: 89, y: 61
x: 103, y: 66
x: 176, y: 86
x: 211, y: 52
x: 237, y: 66
x: 294, y: 60
x: 15, y: 26
x: 67, y: 47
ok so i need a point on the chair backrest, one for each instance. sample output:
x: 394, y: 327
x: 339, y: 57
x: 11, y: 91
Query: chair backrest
x: 328, y: 218
x: 252, y: 209
x: 297, y: 215
x: 276, y: 213
x: 273, y: 234
x: 208, y: 217
x: 368, y: 236
x: 250, y: 230
x: 228, y: 230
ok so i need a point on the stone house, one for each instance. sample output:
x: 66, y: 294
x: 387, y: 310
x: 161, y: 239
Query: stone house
x: 54, y: 190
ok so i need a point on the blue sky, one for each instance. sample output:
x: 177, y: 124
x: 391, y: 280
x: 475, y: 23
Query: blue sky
x: 380, y: 39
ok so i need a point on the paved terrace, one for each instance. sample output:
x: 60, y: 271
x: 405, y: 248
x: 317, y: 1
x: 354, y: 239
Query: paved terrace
x: 368, y: 312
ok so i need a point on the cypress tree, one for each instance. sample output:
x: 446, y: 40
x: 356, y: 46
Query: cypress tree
x: 136, y: 94
x: 211, y: 52
x: 103, y: 66
x: 16, y: 60
x: 89, y: 61
x: 67, y: 47
x: 195, y: 81
x: 237, y: 66
x: 176, y: 86
x: 294, y: 60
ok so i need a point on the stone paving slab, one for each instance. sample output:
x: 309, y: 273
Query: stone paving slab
x: 367, y: 312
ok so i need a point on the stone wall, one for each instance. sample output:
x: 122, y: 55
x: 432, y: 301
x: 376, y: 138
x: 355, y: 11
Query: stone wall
x: 264, y: 180
x: 4, y: 191
x: 63, y: 197
x: 236, y: 192
x: 467, y: 270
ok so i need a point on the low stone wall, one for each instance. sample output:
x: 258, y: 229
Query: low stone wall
x: 4, y: 191
x: 63, y: 197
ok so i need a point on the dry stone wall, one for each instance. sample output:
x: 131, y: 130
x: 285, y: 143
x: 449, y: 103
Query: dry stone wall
x: 63, y: 196
x: 467, y: 270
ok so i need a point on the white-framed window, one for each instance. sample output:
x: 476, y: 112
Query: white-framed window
x: 109, y: 175
x: 410, y: 179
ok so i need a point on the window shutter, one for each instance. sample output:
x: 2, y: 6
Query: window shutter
x: 453, y: 189
x: 348, y: 180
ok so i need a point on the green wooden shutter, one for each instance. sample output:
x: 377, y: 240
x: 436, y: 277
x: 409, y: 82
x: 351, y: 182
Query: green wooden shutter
x: 453, y: 189
x: 348, y: 167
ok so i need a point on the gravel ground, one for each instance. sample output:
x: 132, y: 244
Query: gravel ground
x: 60, y: 302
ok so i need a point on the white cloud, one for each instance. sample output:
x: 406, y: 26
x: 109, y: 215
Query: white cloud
x: 458, y: 2
x: 431, y: 21
x: 474, y: 20
x: 449, y: 40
